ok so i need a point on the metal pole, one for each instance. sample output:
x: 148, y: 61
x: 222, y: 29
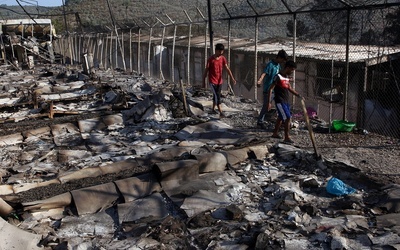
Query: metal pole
x: 65, y: 17
x: 71, y: 55
x: 149, y: 52
x: 130, y: 50
x: 330, y: 103
x: 79, y: 53
x: 100, y: 49
x: 229, y: 55
x: 116, y: 48
x: 205, y: 40
x: 255, y: 58
x: 105, y: 53
x: 346, y: 88
x: 294, y: 53
x: 138, y: 51
x: 210, y: 27
x: 173, y: 51
x: 161, y: 53
x: 188, y: 51
x: 122, y: 48
x: 173, y: 55
x: 110, y: 51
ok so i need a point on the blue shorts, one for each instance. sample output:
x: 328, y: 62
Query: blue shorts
x: 283, y: 110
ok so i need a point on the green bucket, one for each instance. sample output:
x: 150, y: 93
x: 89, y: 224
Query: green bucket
x: 343, y: 126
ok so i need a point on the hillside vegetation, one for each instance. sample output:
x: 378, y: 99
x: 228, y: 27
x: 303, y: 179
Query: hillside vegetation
x: 369, y: 26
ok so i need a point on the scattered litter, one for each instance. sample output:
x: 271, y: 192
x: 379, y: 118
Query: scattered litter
x: 338, y: 187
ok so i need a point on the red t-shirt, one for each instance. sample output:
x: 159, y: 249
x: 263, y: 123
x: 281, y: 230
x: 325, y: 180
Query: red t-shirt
x: 281, y: 89
x: 215, y: 67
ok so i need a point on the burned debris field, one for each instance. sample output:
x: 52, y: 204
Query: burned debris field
x: 109, y: 138
x: 115, y: 162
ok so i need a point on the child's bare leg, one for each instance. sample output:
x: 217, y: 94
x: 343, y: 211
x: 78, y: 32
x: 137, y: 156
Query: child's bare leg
x: 219, y: 108
x: 286, y: 129
x: 277, y: 126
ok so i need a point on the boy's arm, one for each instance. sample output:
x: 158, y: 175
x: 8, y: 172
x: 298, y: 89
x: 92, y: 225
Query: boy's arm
x: 261, y: 78
x: 230, y: 73
x: 294, y: 92
x: 271, y: 88
x: 267, y: 71
x: 205, y: 76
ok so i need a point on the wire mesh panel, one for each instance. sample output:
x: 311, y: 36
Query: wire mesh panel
x: 345, y: 50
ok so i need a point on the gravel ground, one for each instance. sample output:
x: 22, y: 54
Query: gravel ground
x: 375, y: 155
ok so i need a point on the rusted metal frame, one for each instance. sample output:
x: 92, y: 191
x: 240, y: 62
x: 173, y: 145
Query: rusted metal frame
x: 173, y: 50
x: 189, y: 45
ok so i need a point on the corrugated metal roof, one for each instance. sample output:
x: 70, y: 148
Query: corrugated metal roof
x: 317, y: 51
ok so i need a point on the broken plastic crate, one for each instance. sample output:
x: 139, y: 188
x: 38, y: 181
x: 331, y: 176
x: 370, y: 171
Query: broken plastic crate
x: 342, y: 126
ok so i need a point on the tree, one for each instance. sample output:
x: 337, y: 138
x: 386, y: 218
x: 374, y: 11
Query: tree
x: 393, y: 27
x: 301, y: 29
x: 369, y: 37
x: 323, y: 26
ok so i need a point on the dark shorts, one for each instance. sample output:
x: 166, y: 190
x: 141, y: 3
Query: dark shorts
x: 283, y: 110
x: 216, y: 90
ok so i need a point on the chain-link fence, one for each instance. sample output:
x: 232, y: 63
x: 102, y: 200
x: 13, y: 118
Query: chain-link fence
x: 347, y: 63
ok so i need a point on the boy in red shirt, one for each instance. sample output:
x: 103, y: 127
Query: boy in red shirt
x: 213, y: 70
x: 281, y: 87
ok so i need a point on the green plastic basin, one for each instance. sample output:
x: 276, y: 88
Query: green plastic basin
x: 343, y: 126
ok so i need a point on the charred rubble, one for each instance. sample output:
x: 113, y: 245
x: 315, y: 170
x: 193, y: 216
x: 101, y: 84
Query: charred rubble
x: 121, y: 161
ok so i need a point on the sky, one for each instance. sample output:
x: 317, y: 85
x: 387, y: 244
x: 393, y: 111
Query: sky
x: 33, y: 2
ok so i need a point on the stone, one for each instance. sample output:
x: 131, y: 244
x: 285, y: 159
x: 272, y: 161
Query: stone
x: 234, y: 212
